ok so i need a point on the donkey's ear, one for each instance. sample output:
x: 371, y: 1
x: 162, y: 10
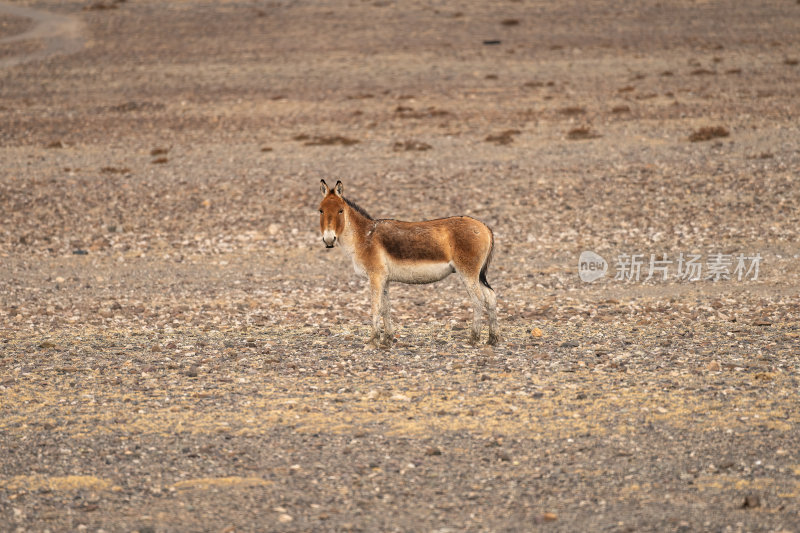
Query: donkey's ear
x: 323, y: 187
x: 338, y: 188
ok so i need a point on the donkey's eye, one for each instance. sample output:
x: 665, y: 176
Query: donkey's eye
x: 320, y: 210
x: 341, y: 211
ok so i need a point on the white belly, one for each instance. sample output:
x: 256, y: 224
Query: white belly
x: 408, y: 272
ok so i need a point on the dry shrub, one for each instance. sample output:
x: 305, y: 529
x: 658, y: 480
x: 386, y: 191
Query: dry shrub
x: 411, y: 146
x: 410, y: 112
x: 504, y: 137
x: 510, y: 22
x: 132, y: 106
x: 100, y: 6
x: 707, y: 133
x: 581, y: 133
x: 617, y: 109
x: 572, y: 111
x: 329, y: 140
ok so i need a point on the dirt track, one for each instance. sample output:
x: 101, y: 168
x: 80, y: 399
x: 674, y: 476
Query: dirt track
x: 178, y: 351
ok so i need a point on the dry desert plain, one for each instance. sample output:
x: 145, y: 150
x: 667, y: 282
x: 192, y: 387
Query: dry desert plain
x: 179, y: 351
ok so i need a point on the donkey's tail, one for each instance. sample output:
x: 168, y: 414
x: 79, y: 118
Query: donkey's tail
x: 488, y: 260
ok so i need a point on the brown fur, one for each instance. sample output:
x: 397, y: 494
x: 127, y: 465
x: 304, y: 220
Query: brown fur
x: 411, y: 252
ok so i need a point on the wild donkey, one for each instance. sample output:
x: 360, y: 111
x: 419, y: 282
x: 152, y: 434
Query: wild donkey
x: 387, y: 250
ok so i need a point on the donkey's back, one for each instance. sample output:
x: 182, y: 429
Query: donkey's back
x: 461, y: 240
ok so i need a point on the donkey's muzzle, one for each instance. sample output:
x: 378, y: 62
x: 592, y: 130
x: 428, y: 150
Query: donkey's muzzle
x: 329, y: 241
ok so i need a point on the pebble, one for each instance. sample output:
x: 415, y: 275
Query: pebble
x: 751, y: 501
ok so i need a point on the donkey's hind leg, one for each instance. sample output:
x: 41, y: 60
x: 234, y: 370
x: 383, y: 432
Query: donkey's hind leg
x: 474, y: 290
x: 490, y: 301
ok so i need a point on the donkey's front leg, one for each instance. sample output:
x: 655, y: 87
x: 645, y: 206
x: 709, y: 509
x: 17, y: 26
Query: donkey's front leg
x: 376, y: 286
x: 388, y: 331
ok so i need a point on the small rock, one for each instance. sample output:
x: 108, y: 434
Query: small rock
x: 285, y: 518
x: 433, y: 450
x: 570, y: 344
x: 713, y: 366
x: 751, y: 501
x: 536, y: 332
x: 192, y: 371
x: 273, y: 229
x: 373, y: 395
x: 549, y: 517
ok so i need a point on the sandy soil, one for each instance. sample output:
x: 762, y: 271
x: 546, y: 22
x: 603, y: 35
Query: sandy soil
x: 179, y: 352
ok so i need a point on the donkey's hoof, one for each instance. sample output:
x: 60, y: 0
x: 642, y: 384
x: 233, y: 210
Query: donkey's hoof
x: 493, y: 339
x: 374, y: 341
x: 474, y: 338
x: 386, y: 342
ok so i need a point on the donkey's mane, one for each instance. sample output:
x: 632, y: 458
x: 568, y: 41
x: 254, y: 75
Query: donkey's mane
x: 357, y: 207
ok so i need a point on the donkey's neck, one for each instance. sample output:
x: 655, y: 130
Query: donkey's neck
x: 357, y: 229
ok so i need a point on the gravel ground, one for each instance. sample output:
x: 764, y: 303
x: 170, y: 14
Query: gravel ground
x: 179, y: 352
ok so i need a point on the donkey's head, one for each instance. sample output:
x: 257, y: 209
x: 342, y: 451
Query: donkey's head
x: 331, y: 213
